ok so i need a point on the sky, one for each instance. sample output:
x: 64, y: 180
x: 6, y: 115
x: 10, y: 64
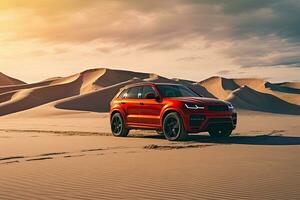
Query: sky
x: 189, y: 39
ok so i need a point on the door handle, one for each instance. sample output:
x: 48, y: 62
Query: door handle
x: 123, y: 103
x: 141, y: 103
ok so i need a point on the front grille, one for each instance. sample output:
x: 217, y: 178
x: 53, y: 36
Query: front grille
x: 218, y: 108
x: 196, y: 120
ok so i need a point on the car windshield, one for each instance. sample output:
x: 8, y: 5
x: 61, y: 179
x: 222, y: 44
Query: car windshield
x: 176, y: 91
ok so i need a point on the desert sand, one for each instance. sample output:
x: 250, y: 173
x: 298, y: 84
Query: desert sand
x: 56, y: 143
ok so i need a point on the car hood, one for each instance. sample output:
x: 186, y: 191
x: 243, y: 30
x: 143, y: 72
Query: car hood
x: 201, y: 100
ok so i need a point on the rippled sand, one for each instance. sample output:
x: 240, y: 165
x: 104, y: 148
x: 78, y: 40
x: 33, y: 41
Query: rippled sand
x: 69, y: 162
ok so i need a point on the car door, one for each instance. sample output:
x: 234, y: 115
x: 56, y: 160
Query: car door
x: 150, y: 108
x: 130, y: 103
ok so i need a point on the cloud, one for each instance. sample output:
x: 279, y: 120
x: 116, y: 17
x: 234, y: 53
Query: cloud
x: 189, y: 58
x: 134, y: 23
x: 257, y: 33
x: 264, y: 51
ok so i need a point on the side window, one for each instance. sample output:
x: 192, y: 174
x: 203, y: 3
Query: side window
x: 147, y: 89
x: 123, y: 94
x: 134, y: 92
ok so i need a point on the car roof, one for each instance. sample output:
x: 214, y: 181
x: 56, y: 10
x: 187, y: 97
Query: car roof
x: 147, y: 83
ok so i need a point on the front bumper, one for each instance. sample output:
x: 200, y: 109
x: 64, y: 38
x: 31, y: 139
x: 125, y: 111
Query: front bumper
x: 203, y: 121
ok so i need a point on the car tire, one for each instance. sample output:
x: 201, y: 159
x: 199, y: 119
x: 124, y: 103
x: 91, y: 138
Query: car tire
x: 173, y: 128
x: 220, y: 133
x: 118, y: 128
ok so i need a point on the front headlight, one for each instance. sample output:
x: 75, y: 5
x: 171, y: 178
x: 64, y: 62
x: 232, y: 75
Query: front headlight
x: 230, y: 106
x: 193, y: 106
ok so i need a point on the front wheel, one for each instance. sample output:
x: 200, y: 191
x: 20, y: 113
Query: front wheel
x: 118, y: 128
x: 173, y: 128
x: 219, y: 133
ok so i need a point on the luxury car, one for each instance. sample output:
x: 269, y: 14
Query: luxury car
x: 173, y: 110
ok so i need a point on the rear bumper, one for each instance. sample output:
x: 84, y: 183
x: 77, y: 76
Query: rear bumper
x: 200, y: 122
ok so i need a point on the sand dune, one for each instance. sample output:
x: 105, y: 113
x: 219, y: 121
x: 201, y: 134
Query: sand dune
x: 106, y: 85
x: 295, y: 85
x: 223, y: 88
x: 7, y: 80
x: 111, y: 77
x: 282, y: 88
x: 4, y: 89
x: 29, y: 98
x: 218, y: 86
x: 95, y: 79
x: 256, y: 84
x: 247, y: 98
x: 86, y: 80
x: 91, y: 101
x: 97, y: 101
x: 200, y: 90
x: 158, y: 79
x: 195, y: 87
x: 93, y: 89
x: 18, y: 98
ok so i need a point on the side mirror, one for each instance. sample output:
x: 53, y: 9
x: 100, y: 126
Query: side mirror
x: 150, y: 95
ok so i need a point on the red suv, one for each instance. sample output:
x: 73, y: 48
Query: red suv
x: 171, y: 109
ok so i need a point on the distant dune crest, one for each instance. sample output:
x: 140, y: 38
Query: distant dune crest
x: 93, y: 89
x: 7, y: 80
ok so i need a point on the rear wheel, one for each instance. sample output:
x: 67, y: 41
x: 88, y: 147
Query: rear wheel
x: 173, y: 127
x: 118, y: 126
x: 219, y: 133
